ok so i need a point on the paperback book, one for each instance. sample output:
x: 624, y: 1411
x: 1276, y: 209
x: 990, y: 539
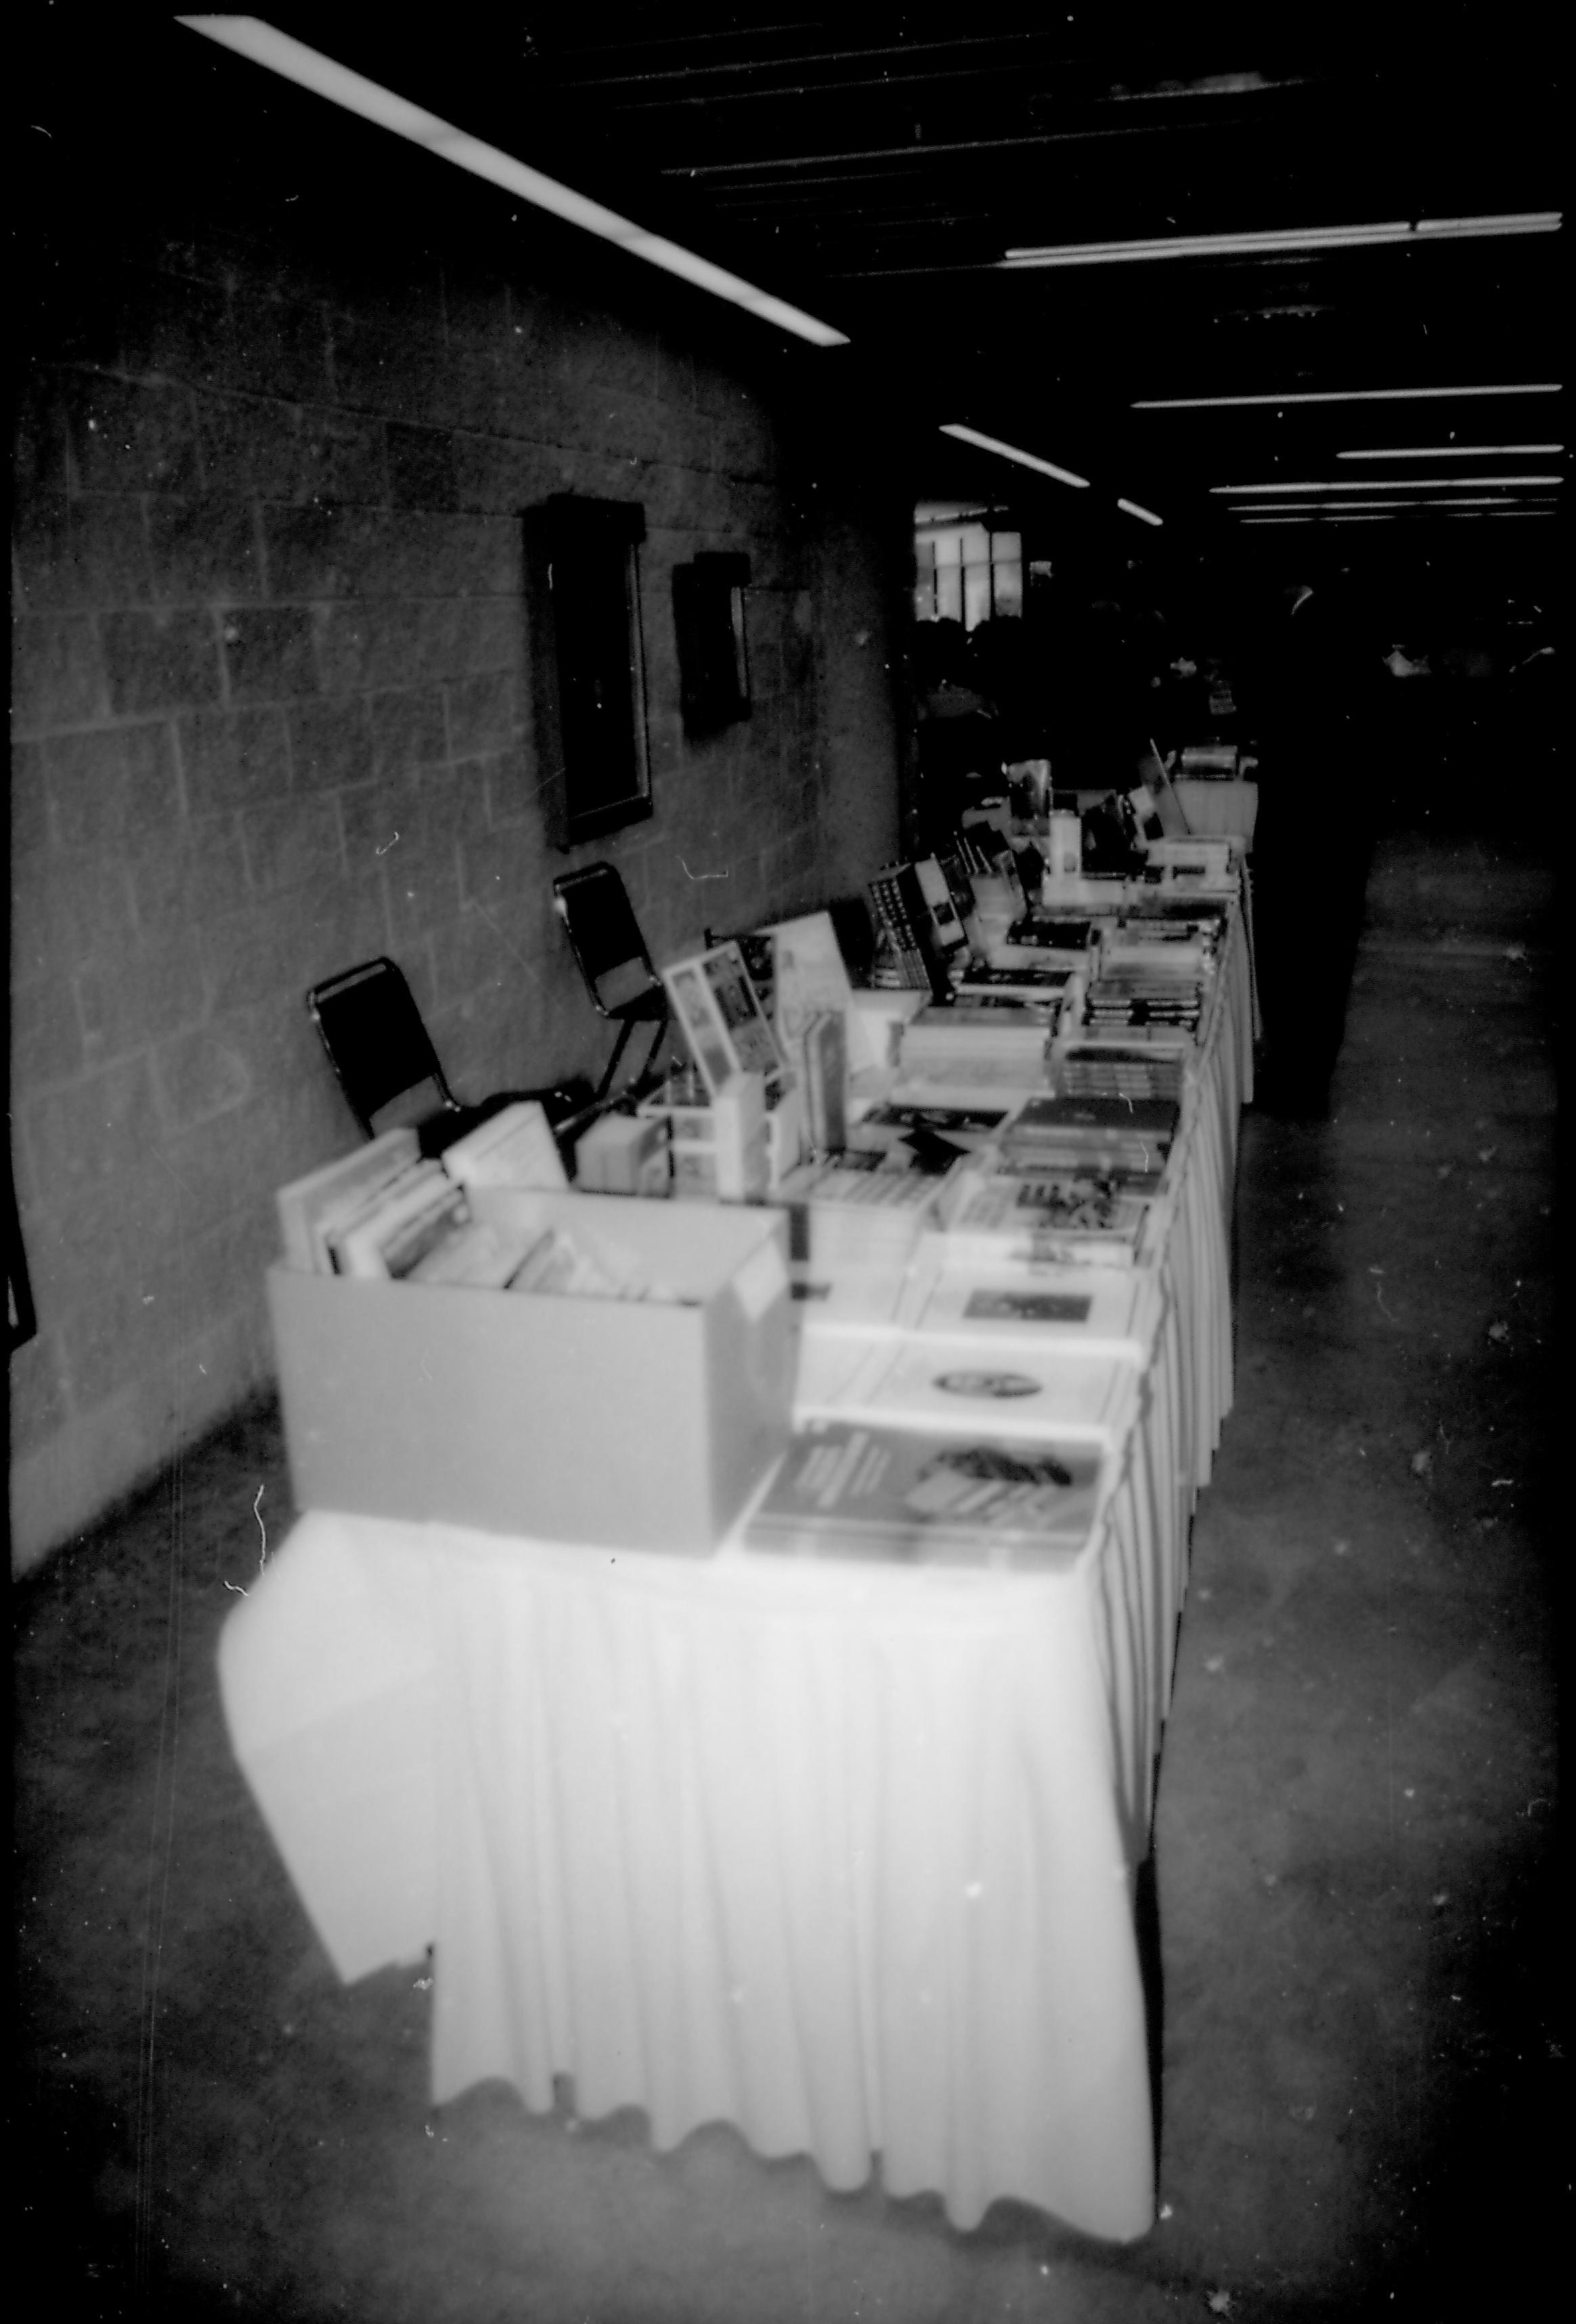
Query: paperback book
x: 848, y: 1489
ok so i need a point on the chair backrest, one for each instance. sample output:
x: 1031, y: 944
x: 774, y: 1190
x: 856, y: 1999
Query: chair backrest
x: 605, y: 938
x: 376, y: 1042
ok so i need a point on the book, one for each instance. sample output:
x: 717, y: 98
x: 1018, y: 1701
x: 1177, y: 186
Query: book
x: 312, y: 1210
x: 847, y: 1487
x: 720, y: 1011
x: 1097, y: 1119
x: 1025, y: 981
x: 946, y: 927
x: 479, y: 1254
x: 824, y: 1046
x: 908, y: 951
x: 974, y: 1380
x: 397, y: 1231
x: 514, y: 1148
x: 1089, y: 1310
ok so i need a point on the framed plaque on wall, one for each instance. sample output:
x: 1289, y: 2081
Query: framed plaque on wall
x: 587, y: 664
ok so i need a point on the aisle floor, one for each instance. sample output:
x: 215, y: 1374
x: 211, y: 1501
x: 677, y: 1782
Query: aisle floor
x: 1363, y: 2062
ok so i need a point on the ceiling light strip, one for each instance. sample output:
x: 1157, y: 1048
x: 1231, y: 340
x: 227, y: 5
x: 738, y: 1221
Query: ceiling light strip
x: 1277, y: 240
x: 1388, y: 484
x: 1012, y: 452
x: 1340, y: 395
x: 266, y: 45
x: 1144, y: 515
x: 1456, y: 452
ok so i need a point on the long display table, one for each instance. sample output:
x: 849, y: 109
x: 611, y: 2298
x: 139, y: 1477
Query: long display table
x: 839, y: 1853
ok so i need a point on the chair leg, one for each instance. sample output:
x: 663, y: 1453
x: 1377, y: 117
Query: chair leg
x: 619, y: 1047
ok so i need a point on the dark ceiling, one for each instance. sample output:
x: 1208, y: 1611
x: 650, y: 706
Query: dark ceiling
x: 876, y: 164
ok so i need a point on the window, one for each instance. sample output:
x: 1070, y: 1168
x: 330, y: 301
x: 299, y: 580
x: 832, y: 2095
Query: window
x: 966, y: 569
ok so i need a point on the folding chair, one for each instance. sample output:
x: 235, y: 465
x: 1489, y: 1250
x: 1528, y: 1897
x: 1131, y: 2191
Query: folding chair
x: 381, y: 1050
x: 611, y: 955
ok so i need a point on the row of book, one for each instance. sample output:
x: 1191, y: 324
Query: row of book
x: 387, y: 1213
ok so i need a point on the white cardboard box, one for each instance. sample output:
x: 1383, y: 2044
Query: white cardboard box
x: 636, y: 1424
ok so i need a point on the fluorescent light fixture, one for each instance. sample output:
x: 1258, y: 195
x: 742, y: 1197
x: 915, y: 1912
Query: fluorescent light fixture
x: 1340, y: 395
x: 264, y: 44
x: 1458, y: 452
x: 1388, y: 484
x: 1246, y: 509
x: 1282, y: 239
x: 1012, y: 452
x: 1144, y: 515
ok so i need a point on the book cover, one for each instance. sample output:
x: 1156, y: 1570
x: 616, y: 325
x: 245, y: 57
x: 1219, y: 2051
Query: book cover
x: 971, y: 1381
x: 515, y: 1148
x: 851, y: 1488
x: 312, y: 1210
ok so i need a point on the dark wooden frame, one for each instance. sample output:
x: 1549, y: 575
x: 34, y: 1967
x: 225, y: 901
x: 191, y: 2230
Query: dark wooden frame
x: 587, y: 664
x: 708, y: 624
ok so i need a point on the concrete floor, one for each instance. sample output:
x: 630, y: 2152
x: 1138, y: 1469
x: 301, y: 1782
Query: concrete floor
x: 1362, y: 2066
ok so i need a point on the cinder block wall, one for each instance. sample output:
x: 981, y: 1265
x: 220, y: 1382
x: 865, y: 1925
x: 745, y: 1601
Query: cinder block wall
x: 272, y: 715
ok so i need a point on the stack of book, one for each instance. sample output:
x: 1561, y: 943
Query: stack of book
x: 851, y: 1488
x: 1148, y: 1003
x: 994, y: 1215
x: 1017, y: 984
x: 1001, y: 1041
x: 910, y: 952
x: 1128, y: 1137
x: 906, y: 1121
x: 382, y: 1213
x: 858, y: 1208
x: 1111, y: 1069
x: 1041, y: 931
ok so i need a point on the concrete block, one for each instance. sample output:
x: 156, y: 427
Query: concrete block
x: 503, y: 475
x: 30, y: 800
x: 408, y: 729
x: 274, y: 950
x: 162, y: 660
x: 458, y: 636
x: 191, y: 877
x: 341, y: 457
x: 330, y: 742
x: 453, y: 803
x: 315, y: 551
x: 269, y: 652
x: 46, y: 1034
x: 57, y: 677
x: 421, y: 883
x: 233, y: 757
x: 375, y: 817
x: 171, y: 326
x: 38, y: 1393
x: 380, y: 369
x: 483, y: 713
x: 91, y: 1132
x: 76, y: 554
x: 111, y: 783
x: 200, y: 550
x: 200, y: 1074
x: 67, y: 910
x: 511, y: 791
x: 127, y: 437
x: 371, y: 644
x: 148, y: 991
x: 422, y: 467
x: 249, y: 447
x: 277, y: 347
x: 291, y: 842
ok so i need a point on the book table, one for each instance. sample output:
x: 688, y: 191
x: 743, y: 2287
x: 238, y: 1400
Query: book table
x: 841, y: 1853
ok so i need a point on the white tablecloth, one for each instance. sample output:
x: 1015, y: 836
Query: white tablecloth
x: 840, y: 1854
